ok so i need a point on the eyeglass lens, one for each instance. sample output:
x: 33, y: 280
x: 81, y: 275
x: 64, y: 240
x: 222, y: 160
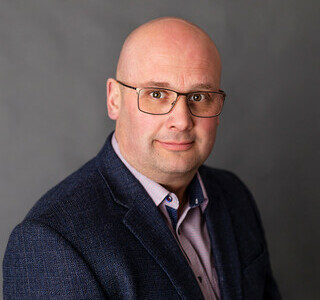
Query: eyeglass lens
x: 161, y: 101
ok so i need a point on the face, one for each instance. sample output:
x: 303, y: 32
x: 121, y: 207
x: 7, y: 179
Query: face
x: 166, y: 147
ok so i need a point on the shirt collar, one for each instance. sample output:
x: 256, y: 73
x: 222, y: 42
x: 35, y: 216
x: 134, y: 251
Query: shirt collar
x: 156, y: 191
x: 196, y: 190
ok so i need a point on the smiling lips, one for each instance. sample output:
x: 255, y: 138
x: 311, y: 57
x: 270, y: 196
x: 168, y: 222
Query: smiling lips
x: 176, y: 146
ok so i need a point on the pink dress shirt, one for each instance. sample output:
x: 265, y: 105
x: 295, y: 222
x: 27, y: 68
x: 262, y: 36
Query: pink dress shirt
x: 189, y: 230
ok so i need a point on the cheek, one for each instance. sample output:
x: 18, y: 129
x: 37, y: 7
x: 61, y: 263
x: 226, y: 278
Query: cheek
x: 146, y: 125
x: 207, y: 132
x: 140, y: 126
x: 127, y: 126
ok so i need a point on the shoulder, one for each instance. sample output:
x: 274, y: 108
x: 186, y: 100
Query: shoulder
x: 235, y: 195
x: 228, y: 185
x: 226, y: 181
x: 59, y: 228
x: 36, y: 256
x: 74, y: 202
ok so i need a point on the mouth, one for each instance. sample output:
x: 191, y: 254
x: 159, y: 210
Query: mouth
x: 176, y: 146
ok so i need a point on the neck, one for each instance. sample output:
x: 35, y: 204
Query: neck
x: 179, y: 189
x: 176, y: 183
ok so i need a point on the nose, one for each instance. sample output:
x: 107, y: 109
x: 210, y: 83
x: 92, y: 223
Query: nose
x: 180, y: 118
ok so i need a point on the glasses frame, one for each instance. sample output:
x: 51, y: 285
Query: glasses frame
x: 221, y: 92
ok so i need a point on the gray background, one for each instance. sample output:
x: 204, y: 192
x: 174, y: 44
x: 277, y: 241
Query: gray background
x: 56, y: 55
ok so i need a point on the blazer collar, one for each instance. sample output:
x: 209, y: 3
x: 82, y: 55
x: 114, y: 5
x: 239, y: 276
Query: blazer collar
x: 146, y: 223
x: 224, y: 246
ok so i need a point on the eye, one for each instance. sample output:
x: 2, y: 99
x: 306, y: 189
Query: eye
x: 197, y: 97
x: 157, y: 94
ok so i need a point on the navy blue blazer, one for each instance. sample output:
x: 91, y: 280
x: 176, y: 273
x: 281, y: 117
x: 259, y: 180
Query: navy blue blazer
x: 98, y: 235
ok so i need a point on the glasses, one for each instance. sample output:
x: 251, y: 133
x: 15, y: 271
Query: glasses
x: 159, y: 101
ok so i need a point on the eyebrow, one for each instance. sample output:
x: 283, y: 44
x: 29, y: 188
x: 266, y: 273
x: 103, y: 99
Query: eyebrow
x: 163, y: 84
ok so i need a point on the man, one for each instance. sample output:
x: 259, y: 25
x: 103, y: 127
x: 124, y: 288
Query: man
x: 144, y: 219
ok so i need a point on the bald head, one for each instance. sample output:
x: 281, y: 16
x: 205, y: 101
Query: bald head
x: 166, y: 37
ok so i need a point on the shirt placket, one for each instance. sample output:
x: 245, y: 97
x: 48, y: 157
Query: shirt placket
x: 172, y: 205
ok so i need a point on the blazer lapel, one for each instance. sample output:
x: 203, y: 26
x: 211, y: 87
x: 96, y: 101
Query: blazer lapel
x: 149, y: 227
x: 146, y: 223
x: 224, y: 246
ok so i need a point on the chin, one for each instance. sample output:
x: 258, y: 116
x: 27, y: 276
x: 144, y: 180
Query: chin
x: 178, y: 168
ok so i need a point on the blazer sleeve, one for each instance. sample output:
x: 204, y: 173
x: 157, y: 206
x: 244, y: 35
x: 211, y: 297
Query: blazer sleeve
x: 259, y: 283
x: 271, y: 290
x: 40, y: 264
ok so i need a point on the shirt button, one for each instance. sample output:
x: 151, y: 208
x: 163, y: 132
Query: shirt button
x: 196, y: 201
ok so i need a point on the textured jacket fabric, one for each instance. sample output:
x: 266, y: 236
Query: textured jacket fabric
x: 98, y: 235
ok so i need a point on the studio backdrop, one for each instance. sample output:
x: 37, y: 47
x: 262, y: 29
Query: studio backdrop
x: 55, y: 57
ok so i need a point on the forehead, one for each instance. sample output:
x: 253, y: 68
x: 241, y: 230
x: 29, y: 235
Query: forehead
x: 181, y: 60
x: 175, y: 76
x: 179, y: 70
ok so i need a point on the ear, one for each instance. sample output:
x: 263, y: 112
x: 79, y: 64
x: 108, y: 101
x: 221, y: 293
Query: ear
x: 113, y: 98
